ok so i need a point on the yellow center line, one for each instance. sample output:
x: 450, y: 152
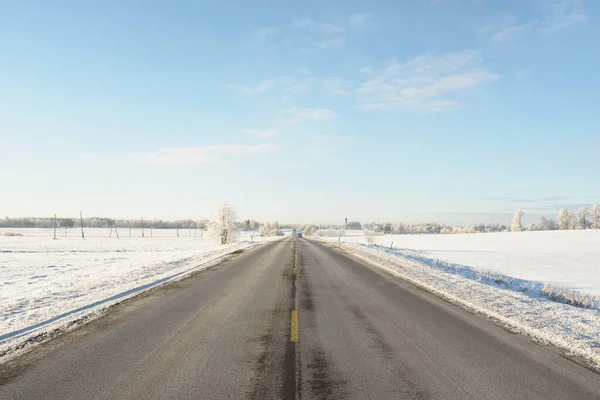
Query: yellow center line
x: 294, y: 335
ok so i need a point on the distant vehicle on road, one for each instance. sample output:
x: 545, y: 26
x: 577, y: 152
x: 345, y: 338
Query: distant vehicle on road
x: 299, y: 234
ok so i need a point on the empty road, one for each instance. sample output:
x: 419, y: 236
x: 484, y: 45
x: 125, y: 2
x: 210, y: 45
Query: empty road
x: 293, y: 319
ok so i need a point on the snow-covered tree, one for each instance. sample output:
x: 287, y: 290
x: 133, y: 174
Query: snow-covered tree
x: 583, y: 217
x: 309, y: 230
x: 563, y: 219
x: 223, y: 225
x: 543, y: 224
x: 572, y: 220
x: 596, y: 217
x: 516, y: 224
x: 270, y: 229
x: 399, y: 228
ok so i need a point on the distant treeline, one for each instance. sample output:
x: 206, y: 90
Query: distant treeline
x: 102, y: 222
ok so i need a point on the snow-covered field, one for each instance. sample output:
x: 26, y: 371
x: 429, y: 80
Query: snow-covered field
x: 46, y: 284
x: 568, y: 258
x: 505, y: 276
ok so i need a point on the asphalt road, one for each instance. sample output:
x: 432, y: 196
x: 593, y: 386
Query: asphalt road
x: 293, y: 319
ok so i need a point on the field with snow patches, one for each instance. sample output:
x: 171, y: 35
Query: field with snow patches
x: 45, y: 284
x: 523, y: 280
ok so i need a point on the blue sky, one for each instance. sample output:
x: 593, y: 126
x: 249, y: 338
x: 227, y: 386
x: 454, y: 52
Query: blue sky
x: 312, y: 111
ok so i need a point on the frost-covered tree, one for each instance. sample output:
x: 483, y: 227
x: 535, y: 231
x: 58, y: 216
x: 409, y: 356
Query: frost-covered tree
x: 572, y: 220
x: 516, y: 224
x: 532, y: 227
x: 223, y: 225
x: 563, y: 219
x: 583, y: 217
x: 309, y: 230
x: 270, y: 229
x: 596, y: 217
x: 543, y: 224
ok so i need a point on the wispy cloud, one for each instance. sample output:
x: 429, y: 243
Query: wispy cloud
x: 423, y: 83
x: 563, y: 14
x: 553, y: 17
x: 360, y: 20
x: 327, y: 43
x: 338, y: 86
x: 312, y: 113
x: 298, y: 87
x: 367, y: 70
x: 314, y: 26
x: 527, y: 200
x: 260, y: 133
x: 189, y: 155
x: 264, y: 33
x: 341, y: 140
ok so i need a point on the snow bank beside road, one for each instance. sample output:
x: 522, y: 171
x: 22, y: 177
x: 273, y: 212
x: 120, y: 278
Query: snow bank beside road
x: 574, y: 329
x: 46, y: 284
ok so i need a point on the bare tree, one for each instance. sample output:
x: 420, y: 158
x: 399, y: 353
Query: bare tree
x: 223, y: 225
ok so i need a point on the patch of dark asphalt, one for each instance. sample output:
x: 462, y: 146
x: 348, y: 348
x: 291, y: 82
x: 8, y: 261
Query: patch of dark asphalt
x: 404, y: 384
x: 322, y: 383
x: 307, y: 303
x: 377, y: 338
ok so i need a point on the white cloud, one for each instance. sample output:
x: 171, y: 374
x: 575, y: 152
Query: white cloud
x: 312, y: 113
x: 264, y: 32
x: 327, y: 43
x: 360, y: 20
x: 336, y: 140
x: 508, y: 33
x: 260, y: 133
x: 262, y: 87
x: 300, y: 87
x: 562, y: 15
x: 367, y: 70
x: 321, y: 27
x: 338, y: 86
x: 553, y: 17
x: 423, y: 83
x: 190, y: 155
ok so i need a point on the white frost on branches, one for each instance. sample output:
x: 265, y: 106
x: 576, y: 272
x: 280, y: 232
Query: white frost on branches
x: 223, y: 225
x: 516, y: 224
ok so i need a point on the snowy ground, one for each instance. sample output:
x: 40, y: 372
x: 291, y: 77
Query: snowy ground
x: 502, y: 275
x: 46, y: 284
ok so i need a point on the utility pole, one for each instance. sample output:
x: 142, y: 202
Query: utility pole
x: 81, y: 221
x: 54, y: 227
x: 142, y: 226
